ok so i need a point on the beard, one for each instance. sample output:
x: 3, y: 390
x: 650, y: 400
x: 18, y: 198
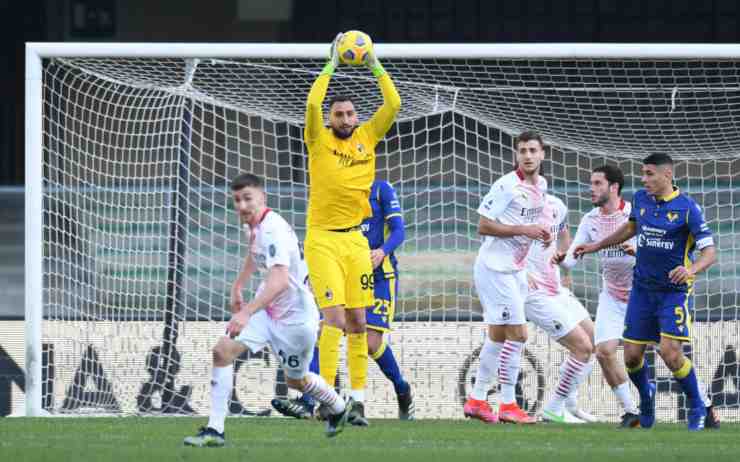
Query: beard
x: 601, y: 200
x: 343, y: 135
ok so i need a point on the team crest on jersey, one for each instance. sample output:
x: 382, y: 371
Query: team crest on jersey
x: 329, y: 294
x: 672, y: 216
x: 505, y: 313
x: 558, y: 327
x: 642, y: 212
x: 272, y: 250
x: 360, y: 147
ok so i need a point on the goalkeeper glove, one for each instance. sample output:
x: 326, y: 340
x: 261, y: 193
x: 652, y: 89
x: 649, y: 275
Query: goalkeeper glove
x: 372, y: 63
x: 333, y: 61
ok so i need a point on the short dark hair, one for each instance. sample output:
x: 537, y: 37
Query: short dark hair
x: 246, y: 179
x: 340, y: 99
x: 613, y: 174
x: 657, y: 159
x: 529, y: 135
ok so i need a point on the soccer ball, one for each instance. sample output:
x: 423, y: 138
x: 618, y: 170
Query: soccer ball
x: 354, y: 47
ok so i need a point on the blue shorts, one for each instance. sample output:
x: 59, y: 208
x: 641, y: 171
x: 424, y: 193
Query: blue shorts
x: 380, y: 315
x: 654, y: 313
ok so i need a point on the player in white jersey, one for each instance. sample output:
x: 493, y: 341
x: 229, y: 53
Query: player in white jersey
x: 283, y: 314
x: 617, y: 263
x: 509, y: 216
x: 554, y: 309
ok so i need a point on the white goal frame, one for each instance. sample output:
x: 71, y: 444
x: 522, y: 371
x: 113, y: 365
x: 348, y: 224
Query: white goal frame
x: 35, y: 52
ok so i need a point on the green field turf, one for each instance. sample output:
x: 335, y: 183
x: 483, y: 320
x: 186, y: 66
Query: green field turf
x: 256, y: 439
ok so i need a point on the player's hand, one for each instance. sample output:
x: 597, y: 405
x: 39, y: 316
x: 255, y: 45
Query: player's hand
x: 680, y: 275
x: 236, y: 302
x: 628, y: 249
x: 558, y: 258
x: 584, y: 249
x: 237, y: 322
x: 377, y: 256
x: 371, y: 59
x: 538, y: 233
x: 334, y: 51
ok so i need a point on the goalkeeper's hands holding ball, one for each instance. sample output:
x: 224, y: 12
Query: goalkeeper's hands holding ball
x: 333, y: 62
x: 373, y: 63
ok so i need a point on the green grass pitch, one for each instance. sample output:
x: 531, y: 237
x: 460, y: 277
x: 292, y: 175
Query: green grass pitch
x: 257, y: 439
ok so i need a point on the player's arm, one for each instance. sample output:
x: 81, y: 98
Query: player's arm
x: 248, y: 268
x: 563, y: 245
x: 393, y: 216
x: 277, y: 260
x: 623, y: 233
x: 383, y: 119
x: 493, y: 206
x: 276, y: 282
x: 488, y: 227
x: 704, y: 242
x: 566, y: 258
x: 314, y: 114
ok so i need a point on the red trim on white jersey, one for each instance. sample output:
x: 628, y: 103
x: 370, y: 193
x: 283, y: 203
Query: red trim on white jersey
x: 265, y: 212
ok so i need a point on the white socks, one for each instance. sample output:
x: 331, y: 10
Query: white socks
x: 704, y: 392
x: 571, y: 402
x: 357, y: 395
x: 625, y: 397
x: 489, y: 361
x: 317, y: 388
x: 222, y: 382
x: 510, y: 363
x: 570, y: 372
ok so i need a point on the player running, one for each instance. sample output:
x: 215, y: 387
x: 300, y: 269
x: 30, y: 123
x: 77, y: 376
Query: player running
x: 282, y: 315
x: 341, y: 167
x: 509, y: 216
x: 669, y: 225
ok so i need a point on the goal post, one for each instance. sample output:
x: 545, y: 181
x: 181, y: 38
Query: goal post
x: 131, y: 242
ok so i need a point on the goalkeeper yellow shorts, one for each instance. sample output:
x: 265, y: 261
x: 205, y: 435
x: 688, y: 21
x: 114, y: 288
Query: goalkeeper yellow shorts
x: 339, y: 268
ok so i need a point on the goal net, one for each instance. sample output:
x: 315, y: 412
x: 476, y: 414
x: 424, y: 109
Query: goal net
x: 140, y: 242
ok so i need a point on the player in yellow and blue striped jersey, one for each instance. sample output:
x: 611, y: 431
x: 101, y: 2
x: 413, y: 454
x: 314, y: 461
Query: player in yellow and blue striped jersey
x: 669, y: 226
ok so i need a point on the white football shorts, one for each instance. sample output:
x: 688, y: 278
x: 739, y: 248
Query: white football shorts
x: 557, y: 314
x: 501, y: 295
x: 293, y: 344
x: 609, y: 318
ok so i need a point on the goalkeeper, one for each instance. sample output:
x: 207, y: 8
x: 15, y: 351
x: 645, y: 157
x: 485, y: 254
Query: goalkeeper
x: 341, y: 167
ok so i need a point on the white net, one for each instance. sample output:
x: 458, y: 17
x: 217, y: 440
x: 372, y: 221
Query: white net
x: 142, y: 244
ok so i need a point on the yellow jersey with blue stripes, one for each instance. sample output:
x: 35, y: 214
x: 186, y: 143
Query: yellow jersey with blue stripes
x: 341, y: 171
x: 669, y: 229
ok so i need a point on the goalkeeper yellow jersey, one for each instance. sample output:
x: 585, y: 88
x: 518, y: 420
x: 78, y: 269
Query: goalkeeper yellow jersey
x: 341, y: 171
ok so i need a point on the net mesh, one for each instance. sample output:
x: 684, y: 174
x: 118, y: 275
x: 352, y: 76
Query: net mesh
x: 142, y: 244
